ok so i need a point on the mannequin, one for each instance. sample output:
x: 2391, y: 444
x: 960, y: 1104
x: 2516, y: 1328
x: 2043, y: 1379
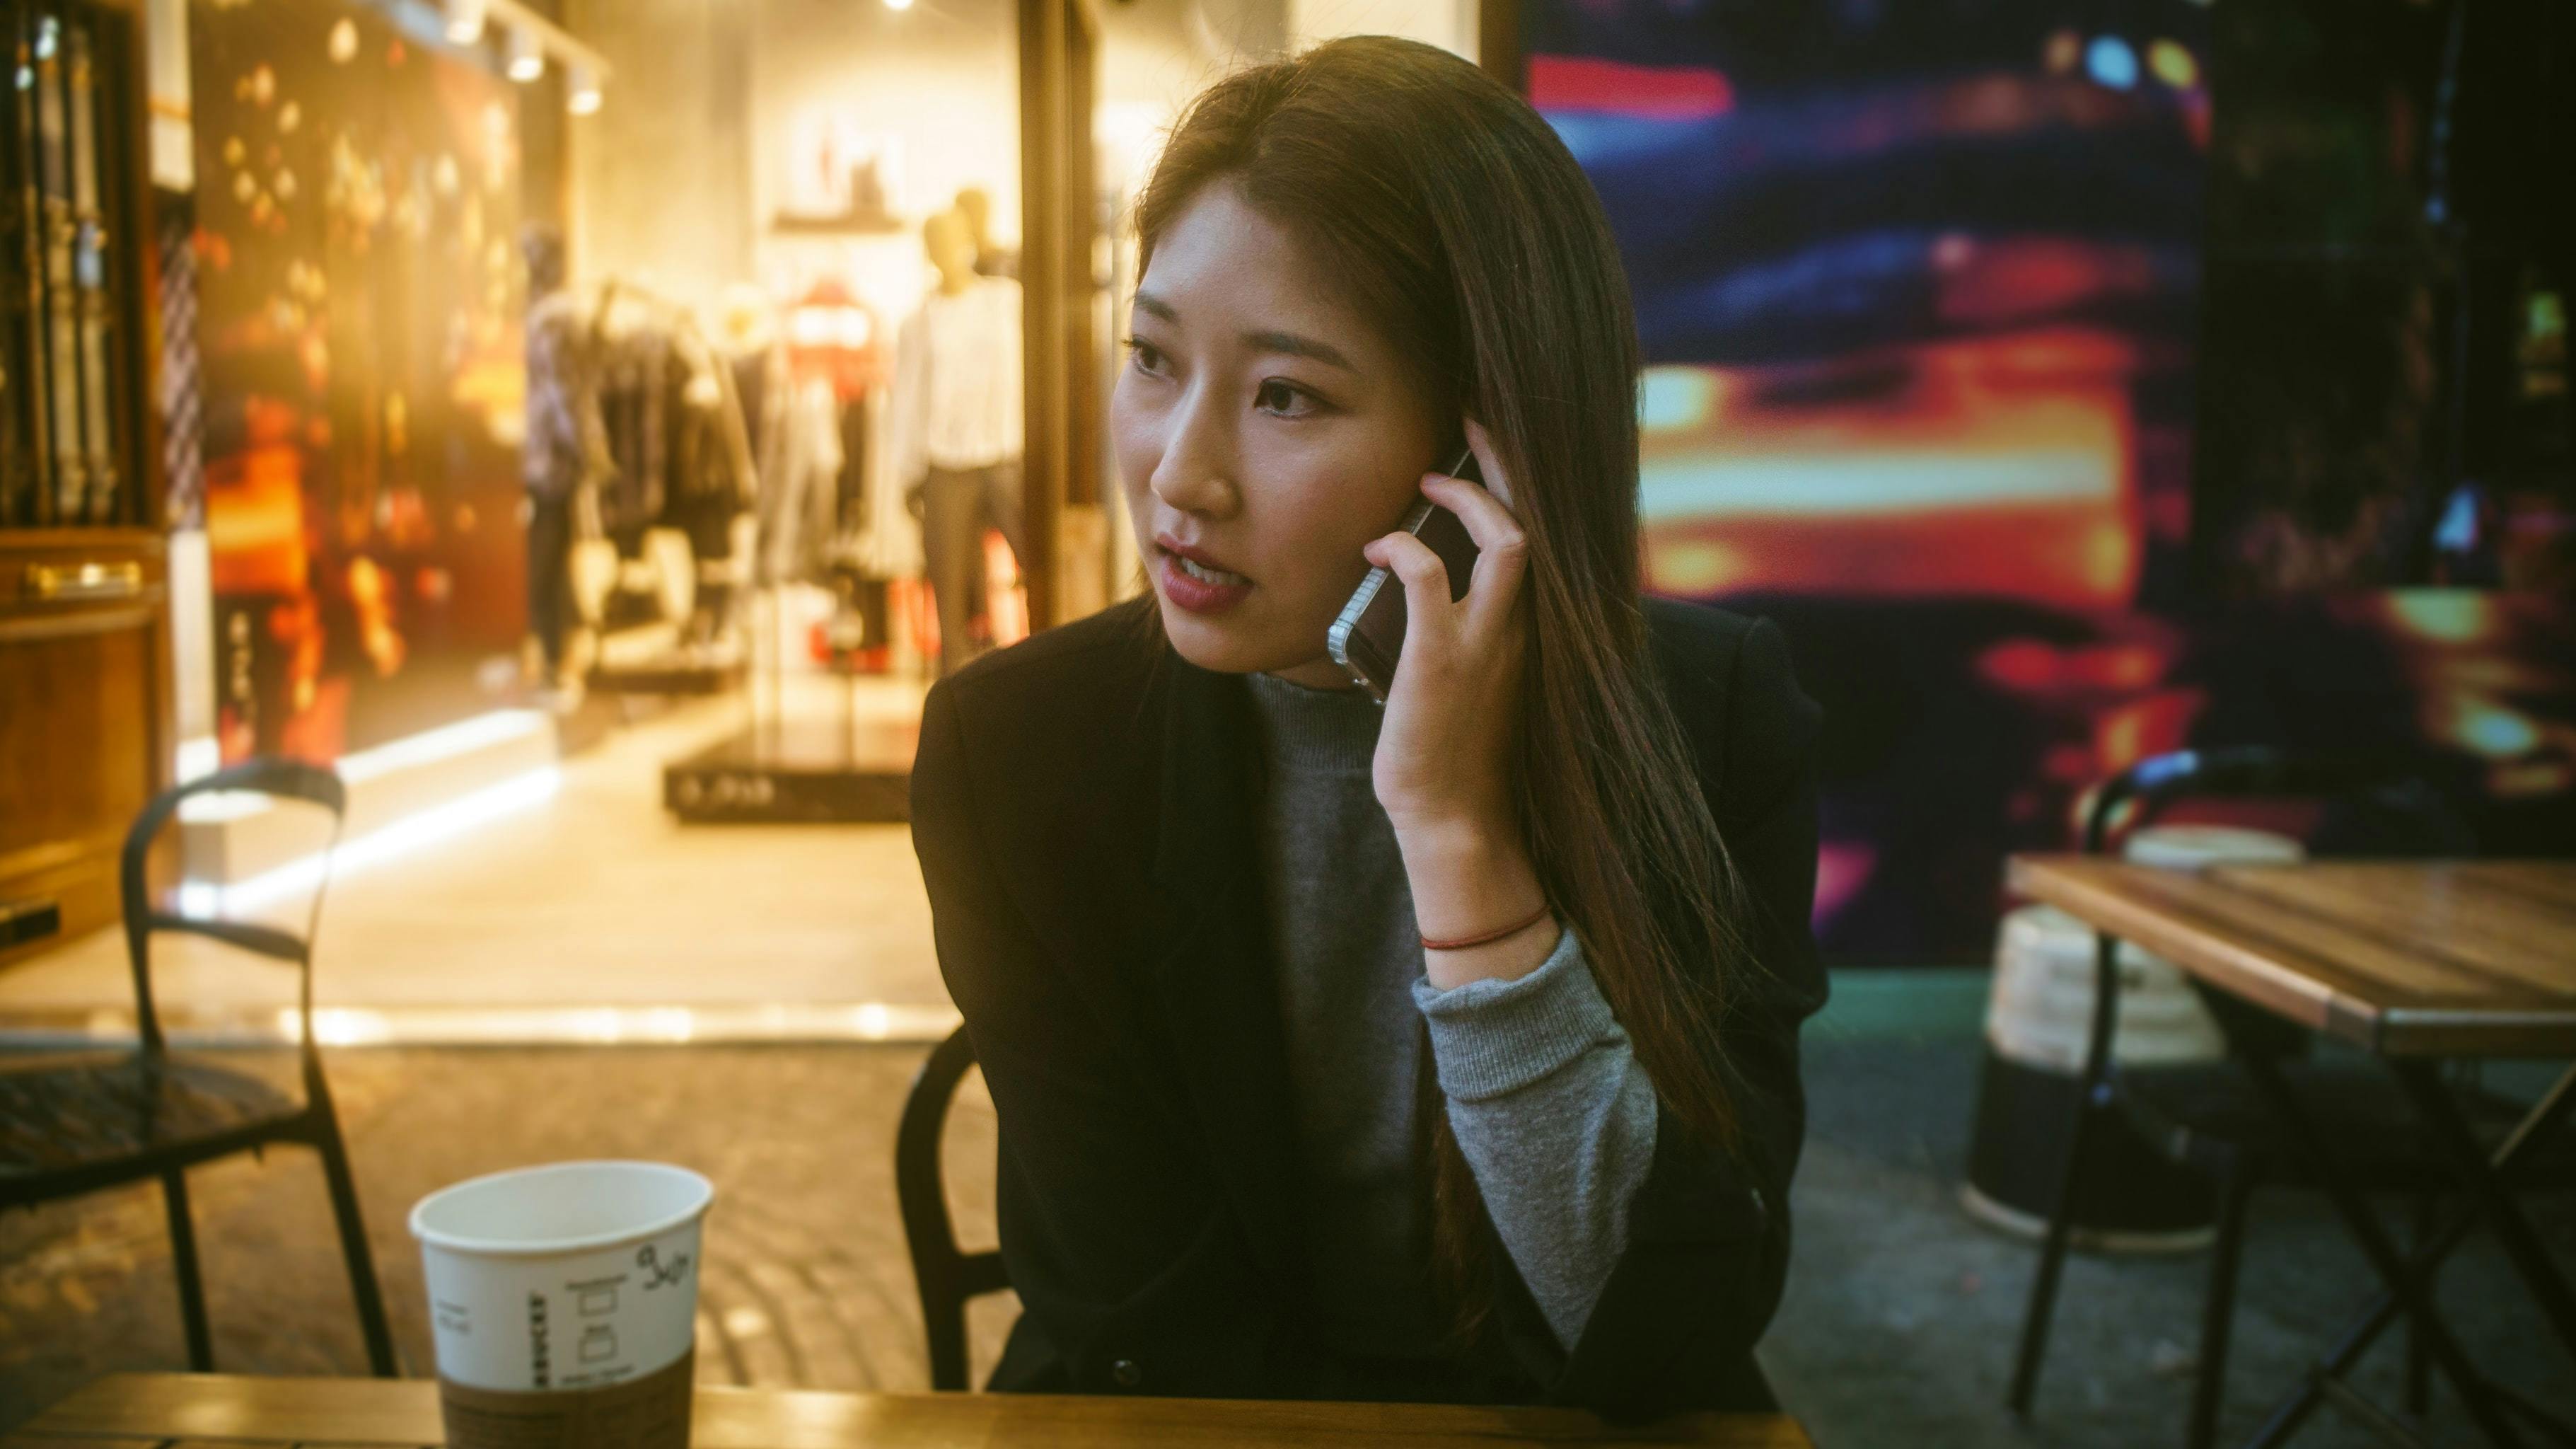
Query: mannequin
x: 977, y: 207
x: 955, y: 421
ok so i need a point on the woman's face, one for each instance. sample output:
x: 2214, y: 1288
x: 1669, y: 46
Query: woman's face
x: 1267, y: 428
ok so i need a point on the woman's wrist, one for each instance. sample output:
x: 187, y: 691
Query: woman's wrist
x: 1468, y: 880
x: 1457, y: 864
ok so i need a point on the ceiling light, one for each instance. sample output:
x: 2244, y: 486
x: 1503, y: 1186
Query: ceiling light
x: 527, y: 56
x: 581, y: 89
x: 465, y: 21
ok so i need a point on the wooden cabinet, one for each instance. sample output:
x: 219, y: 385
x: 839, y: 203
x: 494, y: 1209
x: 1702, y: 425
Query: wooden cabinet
x: 85, y: 707
x: 84, y: 710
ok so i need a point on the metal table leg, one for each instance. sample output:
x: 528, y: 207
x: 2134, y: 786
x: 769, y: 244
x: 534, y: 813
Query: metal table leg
x: 2384, y: 1258
x: 2530, y: 1257
x: 2537, y: 1125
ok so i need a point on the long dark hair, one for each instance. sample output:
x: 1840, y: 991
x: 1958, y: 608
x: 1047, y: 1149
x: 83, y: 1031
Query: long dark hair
x: 1462, y: 224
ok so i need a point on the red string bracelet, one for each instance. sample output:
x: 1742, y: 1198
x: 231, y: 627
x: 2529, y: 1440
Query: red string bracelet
x: 1464, y: 942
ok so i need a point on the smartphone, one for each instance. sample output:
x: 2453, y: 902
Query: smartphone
x: 1369, y: 635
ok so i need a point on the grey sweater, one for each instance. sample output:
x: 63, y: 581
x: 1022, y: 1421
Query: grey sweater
x: 1549, y: 1106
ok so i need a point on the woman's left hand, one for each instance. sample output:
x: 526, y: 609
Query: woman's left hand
x: 1445, y: 748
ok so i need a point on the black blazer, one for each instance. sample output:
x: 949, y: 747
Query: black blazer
x: 1086, y: 833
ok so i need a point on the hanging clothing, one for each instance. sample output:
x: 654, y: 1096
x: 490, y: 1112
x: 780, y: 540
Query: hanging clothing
x: 888, y: 543
x: 834, y: 335
x: 850, y: 493
x: 797, y: 502
x: 765, y: 397
x: 634, y: 404
x: 677, y: 450
x: 760, y: 396
x: 712, y: 476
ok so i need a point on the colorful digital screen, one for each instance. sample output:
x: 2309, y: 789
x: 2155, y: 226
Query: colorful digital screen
x: 1972, y: 363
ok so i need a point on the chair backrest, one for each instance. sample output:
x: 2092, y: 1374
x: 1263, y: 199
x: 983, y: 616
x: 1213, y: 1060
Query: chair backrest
x: 2391, y: 803
x: 947, y: 1276
x: 283, y: 779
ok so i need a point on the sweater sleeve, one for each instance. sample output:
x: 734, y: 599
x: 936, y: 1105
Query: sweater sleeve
x: 1554, y: 1116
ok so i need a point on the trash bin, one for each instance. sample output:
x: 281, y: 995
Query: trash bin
x: 2038, y: 1019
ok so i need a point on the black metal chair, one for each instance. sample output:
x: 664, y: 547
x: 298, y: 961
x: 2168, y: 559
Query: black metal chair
x: 2215, y: 1116
x: 947, y: 1275
x: 69, y: 1130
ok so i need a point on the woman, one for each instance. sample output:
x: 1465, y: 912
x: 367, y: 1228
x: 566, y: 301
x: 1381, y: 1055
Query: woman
x: 1446, y: 1051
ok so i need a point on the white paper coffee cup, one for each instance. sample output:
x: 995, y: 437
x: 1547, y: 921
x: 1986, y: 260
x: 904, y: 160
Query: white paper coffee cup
x: 570, y: 1276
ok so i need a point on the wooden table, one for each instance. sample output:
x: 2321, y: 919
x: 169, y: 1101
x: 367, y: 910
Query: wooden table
x: 2416, y: 961
x: 2403, y: 958
x: 201, y: 1411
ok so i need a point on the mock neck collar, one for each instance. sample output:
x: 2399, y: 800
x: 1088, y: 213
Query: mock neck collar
x: 1314, y: 731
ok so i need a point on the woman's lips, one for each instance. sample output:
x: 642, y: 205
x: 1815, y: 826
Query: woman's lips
x: 1197, y: 595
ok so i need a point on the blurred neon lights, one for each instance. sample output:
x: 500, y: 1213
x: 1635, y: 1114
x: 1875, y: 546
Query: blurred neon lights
x: 2063, y: 52
x: 2173, y: 64
x: 2485, y: 727
x: 1658, y: 92
x: 1675, y: 399
x: 1896, y: 481
x: 2111, y: 62
x: 2448, y: 616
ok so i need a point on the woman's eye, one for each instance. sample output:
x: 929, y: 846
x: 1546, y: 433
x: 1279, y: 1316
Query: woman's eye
x: 1281, y: 398
x: 1147, y: 356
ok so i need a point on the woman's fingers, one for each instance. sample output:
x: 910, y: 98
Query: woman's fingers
x: 1425, y: 579
x: 1489, y: 462
x: 1488, y: 522
x: 1502, y: 551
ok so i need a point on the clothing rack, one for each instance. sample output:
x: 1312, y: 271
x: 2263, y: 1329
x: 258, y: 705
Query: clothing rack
x: 844, y: 765
x: 698, y: 494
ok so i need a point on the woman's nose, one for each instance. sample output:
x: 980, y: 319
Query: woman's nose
x: 1194, y: 474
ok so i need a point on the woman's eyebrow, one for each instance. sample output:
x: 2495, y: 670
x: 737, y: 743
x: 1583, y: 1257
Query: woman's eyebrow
x: 1286, y: 342
x: 1296, y: 346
